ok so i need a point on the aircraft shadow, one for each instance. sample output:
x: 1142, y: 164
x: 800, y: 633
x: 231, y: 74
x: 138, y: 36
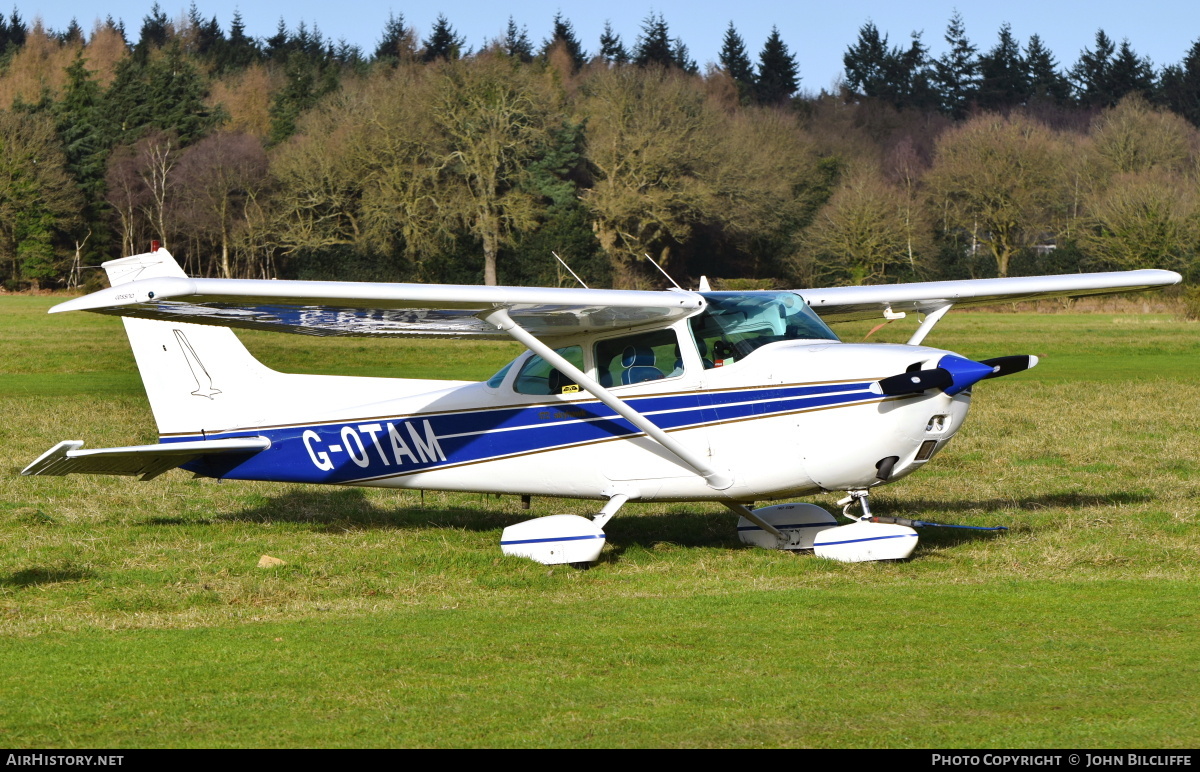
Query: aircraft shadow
x: 1066, y: 499
x: 39, y: 575
x: 350, y: 509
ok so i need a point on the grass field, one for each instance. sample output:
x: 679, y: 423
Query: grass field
x: 134, y: 615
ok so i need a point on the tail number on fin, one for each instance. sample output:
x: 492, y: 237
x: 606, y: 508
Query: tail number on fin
x: 204, y: 383
x: 364, y: 443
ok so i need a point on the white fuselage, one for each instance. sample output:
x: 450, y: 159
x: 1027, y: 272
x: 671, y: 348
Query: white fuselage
x: 793, y: 417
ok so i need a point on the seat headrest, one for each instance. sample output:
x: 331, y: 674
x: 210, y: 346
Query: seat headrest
x: 637, y: 356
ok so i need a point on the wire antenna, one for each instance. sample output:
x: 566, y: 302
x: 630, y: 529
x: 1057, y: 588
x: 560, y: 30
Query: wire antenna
x: 564, y: 265
x: 663, y: 272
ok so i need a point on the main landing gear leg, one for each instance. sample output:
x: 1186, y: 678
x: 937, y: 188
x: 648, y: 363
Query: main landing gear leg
x: 860, y: 497
x: 609, y: 509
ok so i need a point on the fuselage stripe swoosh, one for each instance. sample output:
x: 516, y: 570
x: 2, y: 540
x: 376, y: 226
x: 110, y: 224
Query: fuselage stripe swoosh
x: 584, y: 443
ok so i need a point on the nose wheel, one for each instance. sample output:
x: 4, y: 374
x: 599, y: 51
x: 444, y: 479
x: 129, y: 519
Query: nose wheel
x: 861, y: 498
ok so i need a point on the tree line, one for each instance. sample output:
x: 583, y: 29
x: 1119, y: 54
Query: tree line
x: 425, y: 160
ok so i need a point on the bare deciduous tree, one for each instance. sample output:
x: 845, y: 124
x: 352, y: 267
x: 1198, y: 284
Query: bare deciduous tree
x: 1001, y: 180
x: 214, y: 178
x: 494, y: 118
x: 651, y: 135
x: 1147, y: 219
x: 860, y: 232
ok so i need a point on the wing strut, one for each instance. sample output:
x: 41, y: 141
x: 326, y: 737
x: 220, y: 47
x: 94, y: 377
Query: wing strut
x: 716, y: 480
x: 931, y: 318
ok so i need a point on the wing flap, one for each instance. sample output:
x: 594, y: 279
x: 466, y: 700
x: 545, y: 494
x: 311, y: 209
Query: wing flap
x: 147, y: 461
x: 844, y: 304
x: 364, y: 309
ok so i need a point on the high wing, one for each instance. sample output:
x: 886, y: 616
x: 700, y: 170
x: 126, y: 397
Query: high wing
x: 843, y: 304
x: 148, y: 461
x: 383, y: 310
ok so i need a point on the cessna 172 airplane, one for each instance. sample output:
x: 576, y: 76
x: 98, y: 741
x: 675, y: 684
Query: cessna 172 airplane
x: 621, y: 396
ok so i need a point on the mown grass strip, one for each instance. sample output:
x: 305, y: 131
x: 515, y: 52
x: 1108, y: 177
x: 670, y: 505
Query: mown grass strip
x: 1012, y: 664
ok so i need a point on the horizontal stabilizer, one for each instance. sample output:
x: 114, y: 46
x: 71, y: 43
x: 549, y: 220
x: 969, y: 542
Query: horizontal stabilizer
x: 148, y: 461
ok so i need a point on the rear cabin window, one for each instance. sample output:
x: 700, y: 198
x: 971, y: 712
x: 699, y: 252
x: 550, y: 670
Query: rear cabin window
x: 648, y: 356
x: 537, y: 376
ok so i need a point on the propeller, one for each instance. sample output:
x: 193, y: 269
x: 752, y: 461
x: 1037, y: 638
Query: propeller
x: 1010, y: 365
x: 953, y: 374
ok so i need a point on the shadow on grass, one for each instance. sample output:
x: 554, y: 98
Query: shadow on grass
x: 346, y: 509
x: 1066, y: 500
x: 39, y: 575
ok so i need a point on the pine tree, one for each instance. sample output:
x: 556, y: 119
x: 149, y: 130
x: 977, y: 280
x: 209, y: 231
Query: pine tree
x: 957, y: 71
x: 80, y: 124
x: 154, y: 34
x: 1046, y: 83
x: 1180, y: 85
x: 654, y: 44
x: 443, y: 42
x: 682, y: 59
x: 241, y: 50
x: 278, y: 46
x: 778, y: 74
x: 867, y: 63
x: 1003, y: 82
x: 1130, y: 74
x: 177, y: 93
x: 516, y: 42
x: 73, y: 34
x: 612, y: 50
x: 127, y: 103
x: 1093, y: 73
x: 911, y: 77
x: 736, y: 62
x: 17, y: 31
x: 168, y: 94
x: 397, y: 43
x: 563, y: 34
x: 348, y: 55
x: 117, y: 27
x: 298, y: 93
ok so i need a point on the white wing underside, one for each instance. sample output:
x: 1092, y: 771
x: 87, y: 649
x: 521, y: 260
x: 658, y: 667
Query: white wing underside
x: 453, y: 311
x: 385, y: 310
x: 843, y: 304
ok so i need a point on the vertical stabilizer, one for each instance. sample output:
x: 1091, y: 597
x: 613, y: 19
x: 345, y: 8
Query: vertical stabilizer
x: 197, y: 378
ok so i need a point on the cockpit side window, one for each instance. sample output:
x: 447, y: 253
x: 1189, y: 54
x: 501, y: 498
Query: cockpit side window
x: 496, y: 380
x: 736, y: 323
x: 647, y: 356
x: 537, y: 376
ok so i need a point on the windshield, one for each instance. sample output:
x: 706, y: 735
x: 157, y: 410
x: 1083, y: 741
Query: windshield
x: 736, y: 323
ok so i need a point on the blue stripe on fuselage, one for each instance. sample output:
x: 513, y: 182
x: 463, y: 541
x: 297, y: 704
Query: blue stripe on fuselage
x: 372, y: 448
